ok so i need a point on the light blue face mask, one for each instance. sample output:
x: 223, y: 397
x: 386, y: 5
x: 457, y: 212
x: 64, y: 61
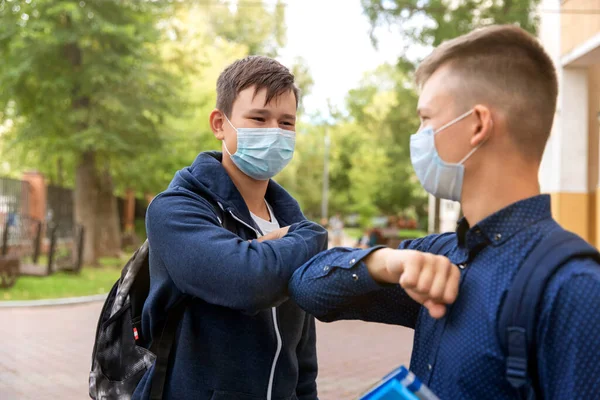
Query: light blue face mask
x: 439, y: 178
x: 262, y: 152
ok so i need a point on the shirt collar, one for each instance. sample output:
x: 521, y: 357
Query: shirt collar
x: 504, y: 224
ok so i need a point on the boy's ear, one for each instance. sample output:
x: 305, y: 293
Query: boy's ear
x: 484, y: 125
x: 217, y: 122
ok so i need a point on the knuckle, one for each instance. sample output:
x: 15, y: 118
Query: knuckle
x: 443, y: 261
x: 418, y: 257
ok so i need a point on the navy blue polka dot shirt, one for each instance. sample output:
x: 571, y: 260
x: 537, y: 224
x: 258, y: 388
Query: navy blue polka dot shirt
x: 459, y: 356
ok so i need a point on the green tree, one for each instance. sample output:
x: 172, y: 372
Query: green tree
x: 369, y: 161
x: 433, y: 21
x: 426, y: 24
x: 254, y: 24
x: 195, y: 46
x: 303, y: 177
x: 202, y: 40
x: 116, y: 117
x: 86, y: 83
x: 384, y: 105
x: 303, y: 79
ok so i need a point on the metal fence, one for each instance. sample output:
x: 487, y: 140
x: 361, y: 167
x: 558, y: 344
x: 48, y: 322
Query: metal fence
x: 59, y: 212
x: 14, y: 210
x: 57, y: 234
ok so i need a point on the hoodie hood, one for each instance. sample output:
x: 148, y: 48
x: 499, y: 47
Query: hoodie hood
x: 207, y: 177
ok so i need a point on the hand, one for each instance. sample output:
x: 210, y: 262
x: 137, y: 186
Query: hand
x: 277, y: 234
x: 428, y: 279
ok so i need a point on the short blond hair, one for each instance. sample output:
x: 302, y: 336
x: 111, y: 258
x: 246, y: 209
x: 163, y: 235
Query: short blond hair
x: 506, y: 67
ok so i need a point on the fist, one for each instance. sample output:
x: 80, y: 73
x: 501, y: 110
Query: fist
x: 429, y: 279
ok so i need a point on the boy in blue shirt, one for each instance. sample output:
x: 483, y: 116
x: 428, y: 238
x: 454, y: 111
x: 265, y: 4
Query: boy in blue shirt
x: 486, y: 105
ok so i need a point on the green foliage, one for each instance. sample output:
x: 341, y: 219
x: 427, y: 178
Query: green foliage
x: 431, y: 22
x: 303, y: 177
x: 84, y: 76
x: 249, y: 23
x: 369, y: 162
x: 134, y: 82
x: 140, y: 91
x: 425, y: 24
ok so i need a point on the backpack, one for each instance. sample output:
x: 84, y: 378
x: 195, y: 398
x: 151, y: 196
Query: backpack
x: 518, y: 315
x: 119, y: 361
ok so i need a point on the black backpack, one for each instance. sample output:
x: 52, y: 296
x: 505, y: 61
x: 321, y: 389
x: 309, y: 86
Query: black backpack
x: 118, y: 360
x: 520, y: 310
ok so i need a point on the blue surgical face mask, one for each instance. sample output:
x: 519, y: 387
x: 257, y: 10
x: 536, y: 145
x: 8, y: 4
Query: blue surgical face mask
x: 439, y: 178
x: 262, y: 152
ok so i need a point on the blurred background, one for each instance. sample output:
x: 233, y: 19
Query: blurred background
x: 102, y: 101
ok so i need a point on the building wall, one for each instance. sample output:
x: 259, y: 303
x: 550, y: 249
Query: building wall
x: 593, y: 152
x: 577, y: 28
x: 570, y: 169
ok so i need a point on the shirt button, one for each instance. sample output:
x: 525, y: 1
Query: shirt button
x: 429, y: 367
x: 326, y: 268
x: 355, y: 277
x: 498, y: 236
x: 352, y: 261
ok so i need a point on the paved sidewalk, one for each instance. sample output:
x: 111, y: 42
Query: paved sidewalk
x: 45, y: 353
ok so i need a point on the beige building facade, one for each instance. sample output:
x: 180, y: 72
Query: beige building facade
x: 570, y: 167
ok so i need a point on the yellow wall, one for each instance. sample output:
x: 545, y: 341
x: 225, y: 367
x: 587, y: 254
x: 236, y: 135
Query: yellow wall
x: 593, y: 139
x: 593, y: 152
x: 596, y: 226
x: 571, y: 210
x: 580, y: 212
x: 577, y: 28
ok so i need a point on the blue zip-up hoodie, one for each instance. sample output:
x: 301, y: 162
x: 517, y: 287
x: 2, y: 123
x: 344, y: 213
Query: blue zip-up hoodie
x: 240, y: 338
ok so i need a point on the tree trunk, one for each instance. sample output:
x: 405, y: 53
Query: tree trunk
x: 60, y: 172
x: 108, y: 232
x: 86, y: 195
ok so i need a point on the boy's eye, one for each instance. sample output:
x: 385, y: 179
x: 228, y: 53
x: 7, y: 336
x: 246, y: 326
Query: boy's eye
x: 259, y: 119
x: 287, y: 123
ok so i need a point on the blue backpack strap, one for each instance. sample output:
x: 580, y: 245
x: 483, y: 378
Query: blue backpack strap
x: 518, y: 315
x: 442, y: 244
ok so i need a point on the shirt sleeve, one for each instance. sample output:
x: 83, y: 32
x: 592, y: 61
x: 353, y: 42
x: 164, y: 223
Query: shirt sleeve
x: 569, y: 335
x: 336, y: 285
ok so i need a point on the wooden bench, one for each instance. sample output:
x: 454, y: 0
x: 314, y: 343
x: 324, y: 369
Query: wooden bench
x: 9, y: 270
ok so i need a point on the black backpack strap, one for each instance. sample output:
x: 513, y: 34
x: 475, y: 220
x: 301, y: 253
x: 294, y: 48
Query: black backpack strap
x: 163, y: 346
x: 518, y: 314
x: 442, y: 243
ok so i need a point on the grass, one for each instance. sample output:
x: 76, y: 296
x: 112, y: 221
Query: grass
x: 90, y: 281
x: 412, y: 233
x: 354, y: 233
x: 403, y: 233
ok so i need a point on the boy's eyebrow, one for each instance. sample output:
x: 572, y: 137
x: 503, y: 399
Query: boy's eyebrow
x: 263, y: 111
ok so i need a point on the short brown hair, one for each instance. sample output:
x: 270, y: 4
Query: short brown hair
x: 506, y: 67
x: 259, y: 71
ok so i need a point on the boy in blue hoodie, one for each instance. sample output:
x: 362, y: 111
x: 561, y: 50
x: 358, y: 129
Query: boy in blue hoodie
x: 240, y: 337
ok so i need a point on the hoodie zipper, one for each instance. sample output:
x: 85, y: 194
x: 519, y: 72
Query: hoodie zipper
x: 275, y: 325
